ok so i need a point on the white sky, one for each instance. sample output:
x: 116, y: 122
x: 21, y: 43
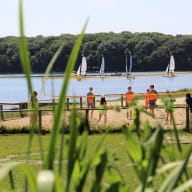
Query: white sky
x: 55, y: 17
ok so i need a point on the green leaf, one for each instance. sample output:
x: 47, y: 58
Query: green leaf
x: 57, y: 124
x: 156, y: 144
x: 72, y: 148
x: 174, y: 177
x: 100, y: 162
x: 133, y: 147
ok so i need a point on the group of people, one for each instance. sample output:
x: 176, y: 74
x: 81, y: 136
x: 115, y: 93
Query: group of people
x: 150, y: 102
x: 151, y: 96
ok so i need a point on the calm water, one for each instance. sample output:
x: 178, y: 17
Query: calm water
x: 14, y: 89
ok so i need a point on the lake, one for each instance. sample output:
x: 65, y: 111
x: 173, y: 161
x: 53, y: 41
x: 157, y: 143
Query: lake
x: 14, y: 88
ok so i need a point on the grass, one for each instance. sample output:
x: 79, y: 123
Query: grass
x: 13, y: 147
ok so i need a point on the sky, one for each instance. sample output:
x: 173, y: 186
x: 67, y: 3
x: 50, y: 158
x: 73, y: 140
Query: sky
x: 56, y: 17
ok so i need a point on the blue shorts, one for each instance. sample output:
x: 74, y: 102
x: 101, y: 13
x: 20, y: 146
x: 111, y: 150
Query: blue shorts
x: 91, y: 105
x: 152, y: 103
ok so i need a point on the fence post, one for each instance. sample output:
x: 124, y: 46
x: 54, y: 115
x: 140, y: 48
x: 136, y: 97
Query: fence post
x: 53, y: 103
x: 121, y: 100
x: 40, y: 119
x: 187, y: 120
x: 20, y: 109
x: 67, y: 104
x: 1, y: 110
x: 81, y: 104
x: 87, y: 119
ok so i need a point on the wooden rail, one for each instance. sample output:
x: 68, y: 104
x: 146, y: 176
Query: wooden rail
x: 86, y: 110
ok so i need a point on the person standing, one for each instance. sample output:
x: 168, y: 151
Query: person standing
x: 102, y: 109
x: 33, y: 106
x: 129, y: 97
x: 169, y: 104
x: 91, y: 100
x: 189, y: 101
x: 152, y: 99
x: 147, y: 99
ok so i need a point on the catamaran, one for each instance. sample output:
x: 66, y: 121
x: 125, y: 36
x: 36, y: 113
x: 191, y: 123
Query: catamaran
x: 171, y: 66
x: 83, y: 67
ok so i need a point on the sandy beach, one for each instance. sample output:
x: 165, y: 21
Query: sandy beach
x: 114, y: 118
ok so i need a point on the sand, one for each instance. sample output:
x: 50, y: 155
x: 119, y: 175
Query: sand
x: 114, y: 118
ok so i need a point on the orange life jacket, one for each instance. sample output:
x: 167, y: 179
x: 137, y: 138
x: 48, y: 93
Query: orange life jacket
x: 153, y: 95
x: 147, y: 98
x: 129, y: 96
x: 90, y: 98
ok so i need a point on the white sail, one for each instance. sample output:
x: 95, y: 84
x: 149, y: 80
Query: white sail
x: 83, y: 67
x: 79, y: 71
x: 131, y: 64
x: 102, y: 68
x: 126, y: 68
x: 172, y: 64
x: 167, y: 69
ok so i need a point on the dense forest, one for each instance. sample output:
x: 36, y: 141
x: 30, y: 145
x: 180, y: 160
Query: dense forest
x: 150, y: 51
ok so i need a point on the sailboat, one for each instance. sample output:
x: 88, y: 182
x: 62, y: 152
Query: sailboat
x: 170, y: 70
x: 83, y: 67
x: 102, y: 68
x: 128, y: 72
x: 130, y: 65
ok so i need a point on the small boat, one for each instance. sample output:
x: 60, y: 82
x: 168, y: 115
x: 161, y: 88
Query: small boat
x: 102, y: 68
x: 128, y: 72
x: 170, y: 69
x: 83, y: 67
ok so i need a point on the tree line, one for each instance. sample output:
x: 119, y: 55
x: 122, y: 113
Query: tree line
x: 150, y: 51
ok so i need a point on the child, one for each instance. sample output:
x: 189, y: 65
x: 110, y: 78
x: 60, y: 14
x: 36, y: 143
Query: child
x: 103, y: 111
x: 129, y: 98
x: 169, y: 103
x: 91, y: 100
x: 152, y: 99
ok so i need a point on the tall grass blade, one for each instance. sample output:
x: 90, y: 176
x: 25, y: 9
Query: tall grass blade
x: 24, y: 53
x: 184, y: 186
x: 156, y: 143
x: 54, y: 58
x: 4, y: 171
x: 100, y: 162
x: 30, y: 175
x: 11, y: 180
x: 174, y: 177
x: 50, y: 66
x: 57, y: 124
x: 25, y: 62
x: 27, y: 170
x: 72, y: 148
